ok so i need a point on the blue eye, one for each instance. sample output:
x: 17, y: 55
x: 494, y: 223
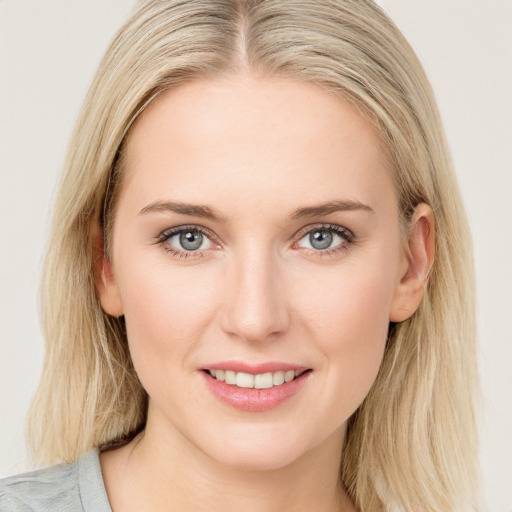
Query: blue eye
x: 324, y: 238
x: 187, y: 239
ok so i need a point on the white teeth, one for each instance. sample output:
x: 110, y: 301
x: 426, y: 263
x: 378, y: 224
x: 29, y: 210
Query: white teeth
x: 244, y: 380
x: 259, y: 381
x: 230, y: 377
x: 263, y: 380
x: 278, y: 378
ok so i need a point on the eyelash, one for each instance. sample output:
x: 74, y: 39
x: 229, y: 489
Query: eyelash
x: 164, y: 237
x: 344, y: 233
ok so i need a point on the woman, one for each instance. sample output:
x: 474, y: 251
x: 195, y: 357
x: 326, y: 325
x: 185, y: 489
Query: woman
x: 258, y: 291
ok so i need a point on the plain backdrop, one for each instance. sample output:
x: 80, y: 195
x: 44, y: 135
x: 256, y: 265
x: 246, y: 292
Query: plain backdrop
x: 48, y: 53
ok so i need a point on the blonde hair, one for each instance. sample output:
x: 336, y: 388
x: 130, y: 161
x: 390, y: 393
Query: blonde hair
x: 412, y: 443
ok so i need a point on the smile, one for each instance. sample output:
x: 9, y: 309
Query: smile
x: 258, y: 388
x: 265, y: 380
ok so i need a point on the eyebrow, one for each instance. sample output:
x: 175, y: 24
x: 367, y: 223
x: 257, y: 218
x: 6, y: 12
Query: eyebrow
x: 195, y: 210
x: 330, y: 207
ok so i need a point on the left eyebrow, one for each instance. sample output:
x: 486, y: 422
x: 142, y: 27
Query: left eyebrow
x: 194, y: 210
x: 330, y: 207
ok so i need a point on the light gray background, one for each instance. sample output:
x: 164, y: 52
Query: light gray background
x: 48, y: 53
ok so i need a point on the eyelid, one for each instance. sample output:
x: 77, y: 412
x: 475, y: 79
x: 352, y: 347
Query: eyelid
x: 163, y: 238
x: 169, y: 232
x: 340, y: 230
x: 346, y: 234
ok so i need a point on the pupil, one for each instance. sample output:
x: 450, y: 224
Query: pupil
x: 191, y: 240
x: 320, y: 239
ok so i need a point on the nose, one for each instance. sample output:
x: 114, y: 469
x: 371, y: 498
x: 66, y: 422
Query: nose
x: 255, y: 307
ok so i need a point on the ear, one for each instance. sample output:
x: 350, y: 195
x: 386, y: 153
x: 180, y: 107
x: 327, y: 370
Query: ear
x: 104, y: 279
x: 418, y: 259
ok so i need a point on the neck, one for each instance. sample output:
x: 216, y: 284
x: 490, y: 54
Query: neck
x: 175, y: 475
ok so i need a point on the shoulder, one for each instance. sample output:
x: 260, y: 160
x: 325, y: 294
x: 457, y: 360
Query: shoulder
x: 75, y: 487
x: 53, y: 488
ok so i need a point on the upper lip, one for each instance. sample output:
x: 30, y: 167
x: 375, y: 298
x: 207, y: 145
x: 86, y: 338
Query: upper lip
x: 255, y: 369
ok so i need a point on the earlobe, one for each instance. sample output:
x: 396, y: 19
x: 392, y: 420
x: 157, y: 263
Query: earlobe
x: 419, y: 258
x: 104, y: 279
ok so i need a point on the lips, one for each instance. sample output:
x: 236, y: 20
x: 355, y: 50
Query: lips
x: 255, y: 388
x: 259, y: 381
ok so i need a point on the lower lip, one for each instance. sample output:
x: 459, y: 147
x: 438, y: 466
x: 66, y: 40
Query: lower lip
x: 255, y: 400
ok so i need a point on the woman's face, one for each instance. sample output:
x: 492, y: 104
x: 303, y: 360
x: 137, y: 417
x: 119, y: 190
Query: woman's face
x: 257, y: 234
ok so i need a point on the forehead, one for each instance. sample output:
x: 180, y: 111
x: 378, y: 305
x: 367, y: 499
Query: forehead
x: 249, y: 137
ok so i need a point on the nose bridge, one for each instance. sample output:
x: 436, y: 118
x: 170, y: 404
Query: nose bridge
x: 256, y: 306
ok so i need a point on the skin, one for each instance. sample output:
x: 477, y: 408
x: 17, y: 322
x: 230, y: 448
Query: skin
x: 253, y: 150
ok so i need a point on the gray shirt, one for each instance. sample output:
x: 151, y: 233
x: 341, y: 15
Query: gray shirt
x: 75, y: 487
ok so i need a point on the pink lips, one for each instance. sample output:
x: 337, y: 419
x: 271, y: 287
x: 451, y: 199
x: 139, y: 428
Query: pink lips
x: 254, y: 400
x: 240, y: 366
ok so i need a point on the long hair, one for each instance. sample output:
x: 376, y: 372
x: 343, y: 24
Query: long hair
x: 411, y: 445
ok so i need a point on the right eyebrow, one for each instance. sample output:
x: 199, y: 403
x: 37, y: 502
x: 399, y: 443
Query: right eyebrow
x: 194, y: 210
x: 330, y: 207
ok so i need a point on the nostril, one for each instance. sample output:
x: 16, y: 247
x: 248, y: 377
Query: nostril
x: 255, y: 308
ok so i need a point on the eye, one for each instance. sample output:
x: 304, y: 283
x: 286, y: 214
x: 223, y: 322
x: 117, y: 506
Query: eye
x: 326, y: 238
x: 186, y: 239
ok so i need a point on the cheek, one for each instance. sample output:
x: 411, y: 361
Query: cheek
x: 348, y: 305
x: 166, y: 313
x: 348, y: 317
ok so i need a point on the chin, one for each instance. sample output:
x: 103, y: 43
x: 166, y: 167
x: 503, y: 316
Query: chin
x: 252, y: 460
x: 258, y: 449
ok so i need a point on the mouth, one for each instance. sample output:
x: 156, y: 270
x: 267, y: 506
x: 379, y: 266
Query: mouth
x: 246, y: 380
x: 258, y: 388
